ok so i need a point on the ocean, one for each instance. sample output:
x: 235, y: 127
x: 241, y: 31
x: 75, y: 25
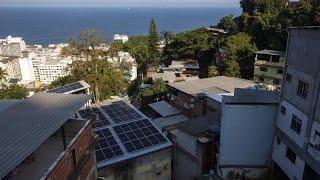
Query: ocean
x: 45, y: 25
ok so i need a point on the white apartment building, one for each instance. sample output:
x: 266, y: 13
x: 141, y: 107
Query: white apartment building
x: 296, y: 151
x: 11, y: 66
x: 120, y: 38
x: 52, y: 70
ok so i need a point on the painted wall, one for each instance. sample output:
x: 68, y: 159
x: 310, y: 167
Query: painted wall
x: 26, y: 69
x: 151, y: 166
x: 284, y: 122
x: 246, y: 134
x: 279, y: 156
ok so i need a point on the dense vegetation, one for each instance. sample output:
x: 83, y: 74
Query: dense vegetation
x: 262, y: 25
x: 13, y: 92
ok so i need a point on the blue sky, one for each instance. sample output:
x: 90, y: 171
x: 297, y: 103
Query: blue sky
x: 126, y: 3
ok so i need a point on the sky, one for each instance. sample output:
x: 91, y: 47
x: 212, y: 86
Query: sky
x: 124, y: 3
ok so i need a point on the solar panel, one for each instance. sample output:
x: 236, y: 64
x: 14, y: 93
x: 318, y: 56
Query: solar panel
x: 94, y: 114
x: 120, y: 112
x: 139, y: 135
x: 67, y: 88
x: 107, y: 147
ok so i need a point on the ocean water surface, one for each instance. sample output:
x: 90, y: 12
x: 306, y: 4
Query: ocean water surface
x: 45, y: 25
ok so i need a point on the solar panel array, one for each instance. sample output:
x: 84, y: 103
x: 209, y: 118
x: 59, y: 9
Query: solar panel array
x: 138, y: 135
x: 107, y: 147
x: 128, y: 132
x: 121, y: 112
x: 67, y: 88
x: 94, y: 114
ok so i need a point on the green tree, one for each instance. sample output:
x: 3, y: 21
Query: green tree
x: 137, y: 46
x: 13, y: 92
x: 168, y: 36
x: 198, y: 44
x: 153, y: 43
x: 239, y: 57
x: 104, y: 78
x: 213, y: 71
x: 3, y: 74
x: 227, y: 24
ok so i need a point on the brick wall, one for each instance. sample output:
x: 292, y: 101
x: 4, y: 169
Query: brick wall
x: 185, y: 99
x: 65, y: 168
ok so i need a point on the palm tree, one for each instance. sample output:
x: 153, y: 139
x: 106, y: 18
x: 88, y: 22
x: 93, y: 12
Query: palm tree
x: 3, y: 74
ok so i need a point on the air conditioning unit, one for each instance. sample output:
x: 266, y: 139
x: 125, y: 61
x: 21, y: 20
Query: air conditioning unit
x: 191, y: 105
x: 192, y: 100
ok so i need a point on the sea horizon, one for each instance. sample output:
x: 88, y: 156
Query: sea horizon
x: 46, y: 25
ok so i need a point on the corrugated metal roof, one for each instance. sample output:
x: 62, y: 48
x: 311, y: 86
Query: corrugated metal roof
x: 214, y: 85
x: 25, y: 125
x: 4, y: 104
x: 271, y: 52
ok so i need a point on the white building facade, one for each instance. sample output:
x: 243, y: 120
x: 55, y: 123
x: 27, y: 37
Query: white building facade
x: 52, y: 70
x: 296, y: 149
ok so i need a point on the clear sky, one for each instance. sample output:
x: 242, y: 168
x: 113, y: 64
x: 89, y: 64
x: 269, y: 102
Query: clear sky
x: 125, y: 3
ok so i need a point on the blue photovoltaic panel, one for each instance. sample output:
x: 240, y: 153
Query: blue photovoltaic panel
x: 107, y: 147
x: 139, y: 135
x: 94, y: 114
x: 121, y: 112
x: 67, y: 88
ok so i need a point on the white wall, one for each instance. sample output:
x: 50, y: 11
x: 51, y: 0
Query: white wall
x: 284, y: 122
x: 246, y: 134
x: 26, y: 68
x: 279, y: 156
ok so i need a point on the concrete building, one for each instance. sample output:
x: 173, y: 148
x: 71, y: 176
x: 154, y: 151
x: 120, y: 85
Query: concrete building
x: 12, y: 46
x: 296, y: 145
x: 26, y: 69
x: 11, y: 66
x: 120, y: 38
x: 40, y: 139
x: 247, y: 131
x: 190, y: 97
x: 53, y: 69
x: 129, y: 145
x: 268, y: 68
x: 194, y: 148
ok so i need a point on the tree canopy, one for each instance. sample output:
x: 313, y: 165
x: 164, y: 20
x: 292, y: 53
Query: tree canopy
x: 153, y: 42
x: 13, y: 92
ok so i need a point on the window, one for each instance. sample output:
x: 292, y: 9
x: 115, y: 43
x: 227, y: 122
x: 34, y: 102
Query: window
x: 296, y: 124
x: 280, y: 71
x: 264, y: 69
x: 303, y: 89
x: 283, y: 110
x: 276, y: 81
x: 291, y: 155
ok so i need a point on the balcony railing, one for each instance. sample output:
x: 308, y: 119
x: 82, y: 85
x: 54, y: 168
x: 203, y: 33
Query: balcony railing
x: 268, y: 63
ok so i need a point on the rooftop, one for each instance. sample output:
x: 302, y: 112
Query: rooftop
x: 214, y: 85
x: 271, y: 52
x: 70, y: 88
x: 124, y: 133
x: 252, y: 96
x: 196, y: 127
x: 26, y: 124
x: 164, y: 108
